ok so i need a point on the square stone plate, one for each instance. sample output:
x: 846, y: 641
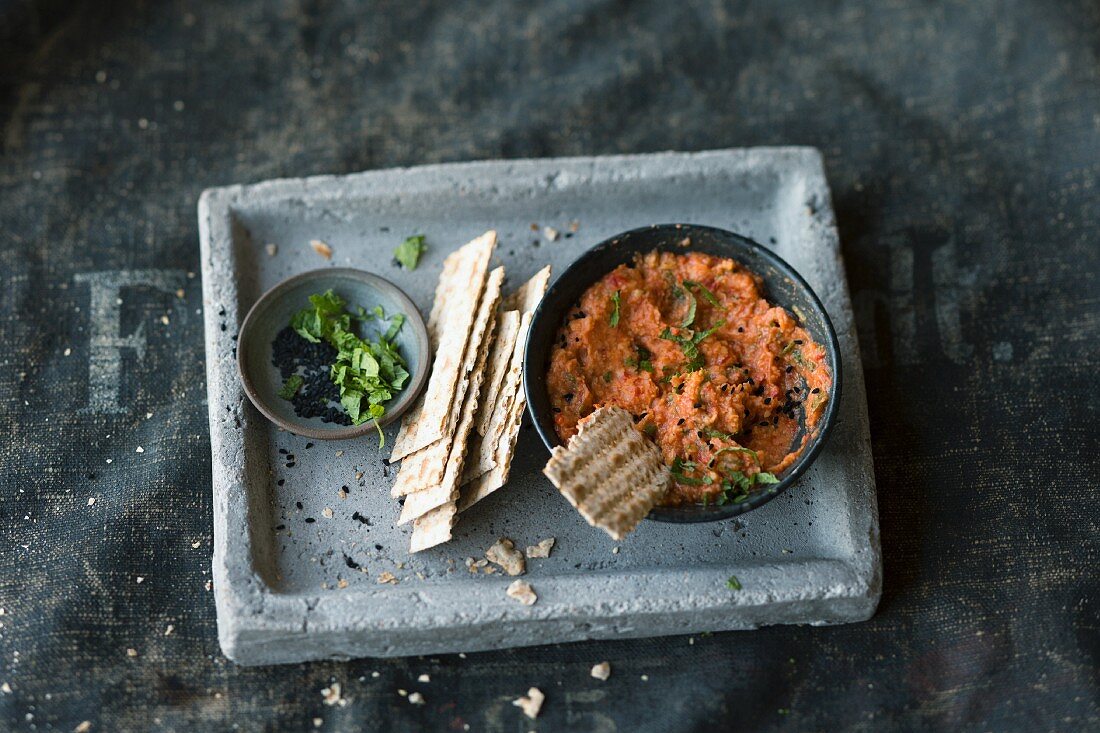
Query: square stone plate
x: 296, y: 566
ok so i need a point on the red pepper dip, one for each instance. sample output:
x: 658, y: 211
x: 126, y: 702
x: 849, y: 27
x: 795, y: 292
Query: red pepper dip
x: 711, y: 371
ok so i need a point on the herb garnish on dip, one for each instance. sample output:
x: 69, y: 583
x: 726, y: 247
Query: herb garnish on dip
x: 710, y: 370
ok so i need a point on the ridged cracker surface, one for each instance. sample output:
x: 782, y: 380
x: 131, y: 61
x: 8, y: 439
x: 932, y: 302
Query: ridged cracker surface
x: 610, y: 472
x: 451, y: 321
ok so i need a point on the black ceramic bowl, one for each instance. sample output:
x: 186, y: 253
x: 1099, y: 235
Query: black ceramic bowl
x: 782, y: 286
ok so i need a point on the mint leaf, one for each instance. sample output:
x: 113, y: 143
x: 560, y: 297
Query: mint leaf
x: 615, y: 311
x: 689, y: 316
x: 733, y: 583
x: 707, y: 295
x: 408, y: 252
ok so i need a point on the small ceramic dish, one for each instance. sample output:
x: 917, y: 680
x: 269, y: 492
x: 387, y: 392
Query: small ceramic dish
x: 782, y: 286
x: 272, y: 313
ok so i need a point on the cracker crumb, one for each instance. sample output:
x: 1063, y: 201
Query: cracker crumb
x: 318, y: 722
x: 339, y: 453
x: 424, y: 678
x: 272, y: 249
x: 168, y: 631
x: 341, y: 583
x: 131, y: 652
x: 614, y: 550
x: 462, y: 655
x: 375, y: 675
x: 574, y: 226
x: 83, y: 727
x: 490, y: 570
x: 321, y: 248
x: 551, y: 233
x: 68, y: 351
x: 402, y: 693
x: 164, y: 320
x: 139, y: 449
x: 195, y: 545
x: 331, y: 695
x: 387, y: 577
x: 326, y: 513
x: 91, y: 500
x: 542, y: 549
x: 358, y: 475
x: 522, y: 591
x: 530, y: 703
x: 5, y: 688
x: 180, y: 293
x: 208, y: 585
x: 342, y: 494
x: 645, y: 678
x: 139, y: 579
x: 416, y: 698
x: 602, y: 670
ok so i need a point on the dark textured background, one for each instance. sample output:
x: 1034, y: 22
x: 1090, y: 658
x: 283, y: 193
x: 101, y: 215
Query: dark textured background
x: 963, y: 146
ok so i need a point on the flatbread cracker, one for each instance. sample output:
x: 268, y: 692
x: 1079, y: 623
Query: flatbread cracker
x: 434, y: 528
x: 453, y: 313
x: 420, y: 502
x: 495, y: 446
x: 498, y: 447
x: 611, y: 473
x: 426, y: 467
x: 500, y: 390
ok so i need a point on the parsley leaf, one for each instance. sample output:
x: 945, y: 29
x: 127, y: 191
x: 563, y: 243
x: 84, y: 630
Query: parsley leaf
x: 408, y: 252
x: 368, y: 373
x: 679, y: 466
x: 733, y: 583
x: 615, y: 300
x: 291, y: 386
x: 643, y: 362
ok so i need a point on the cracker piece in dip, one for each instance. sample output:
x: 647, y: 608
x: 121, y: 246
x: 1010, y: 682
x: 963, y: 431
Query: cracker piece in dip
x: 611, y: 473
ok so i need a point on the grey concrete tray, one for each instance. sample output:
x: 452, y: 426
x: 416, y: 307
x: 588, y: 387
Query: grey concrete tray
x: 293, y: 583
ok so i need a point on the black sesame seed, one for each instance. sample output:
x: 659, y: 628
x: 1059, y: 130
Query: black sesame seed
x: 310, y: 520
x: 740, y: 329
x: 681, y: 421
x: 283, y: 451
x: 790, y: 369
x: 767, y: 400
x: 309, y: 445
x: 815, y: 390
x: 298, y: 504
x: 281, y: 482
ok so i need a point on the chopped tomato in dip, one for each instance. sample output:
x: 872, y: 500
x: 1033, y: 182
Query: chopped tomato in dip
x: 711, y: 371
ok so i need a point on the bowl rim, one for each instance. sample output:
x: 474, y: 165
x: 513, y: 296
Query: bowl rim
x: 698, y: 513
x: 409, y: 393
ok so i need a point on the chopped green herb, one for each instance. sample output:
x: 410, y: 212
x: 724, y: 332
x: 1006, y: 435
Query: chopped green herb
x: 643, y: 361
x: 678, y: 468
x: 707, y: 294
x: 607, y: 377
x: 615, y: 310
x: 689, y: 315
x: 408, y: 252
x: 736, y: 449
x: 650, y: 429
x: 796, y: 355
x: 733, y: 583
x: 689, y: 343
x: 291, y: 386
x: 364, y: 370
